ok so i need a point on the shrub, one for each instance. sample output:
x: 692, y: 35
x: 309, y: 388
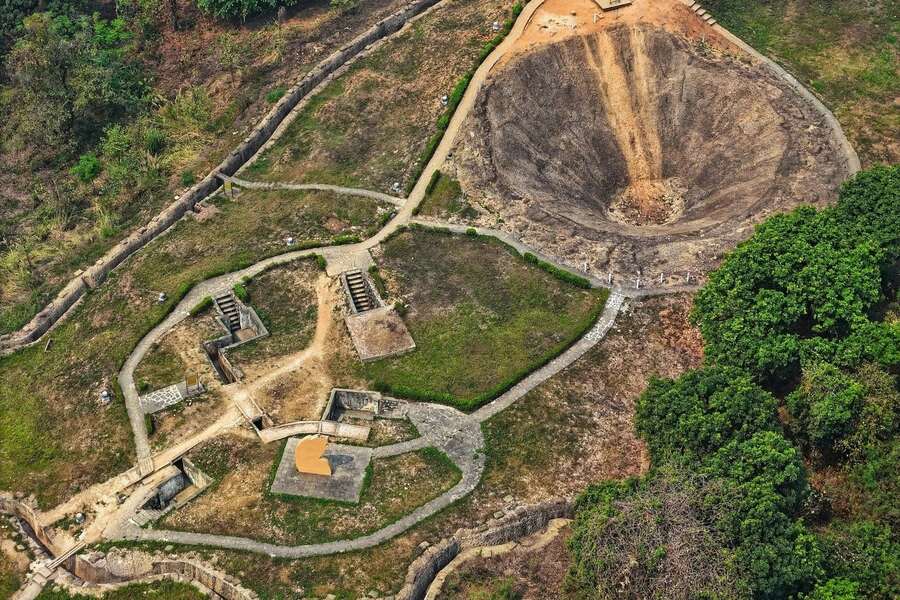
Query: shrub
x: 865, y: 553
x: 702, y: 411
x: 825, y: 406
x: 241, y: 292
x: 187, y: 178
x: 652, y: 538
x: 87, y: 168
x: 561, y: 274
x: 154, y: 141
x: 201, y: 306
x: 275, y: 95
x: 229, y: 9
x: 321, y: 262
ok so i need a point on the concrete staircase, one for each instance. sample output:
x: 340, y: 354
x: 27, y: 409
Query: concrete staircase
x: 707, y: 18
x: 227, y: 304
x: 358, y: 288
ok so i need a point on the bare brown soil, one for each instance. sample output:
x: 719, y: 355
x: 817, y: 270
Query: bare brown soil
x: 638, y: 146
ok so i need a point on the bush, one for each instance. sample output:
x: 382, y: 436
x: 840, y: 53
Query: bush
x: 154, y: 141
x: 702, y: 411
x: 229, y: 9
x: 201, y: 306
x: 275, y: 95
x: 825, y: 406
x: 321, y: 262
x: 87, y: 168
x: 650, y: 539
x: 867, y: 554
x: 188, y: 179
x: 562, y: 274
x: 241, y: 292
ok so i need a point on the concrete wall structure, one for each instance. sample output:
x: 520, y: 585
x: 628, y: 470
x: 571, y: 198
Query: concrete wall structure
x: 521, y: 522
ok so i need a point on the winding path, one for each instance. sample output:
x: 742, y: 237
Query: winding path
x: 456, y: 434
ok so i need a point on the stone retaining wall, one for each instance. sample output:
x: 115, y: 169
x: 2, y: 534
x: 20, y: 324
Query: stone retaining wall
x: 98, y: 272
x: 122, y: 567
x: 520, y: 523
x: 12, y: 506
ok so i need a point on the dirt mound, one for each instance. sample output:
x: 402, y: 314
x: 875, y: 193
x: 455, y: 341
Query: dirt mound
x: 630, y: 136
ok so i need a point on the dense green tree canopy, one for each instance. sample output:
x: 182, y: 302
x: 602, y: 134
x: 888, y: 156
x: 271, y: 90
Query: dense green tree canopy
x: 69, y: 78
x: 825, y: 405
x: 803, y: 287
x: 228, y: 9
x: 702, y: 411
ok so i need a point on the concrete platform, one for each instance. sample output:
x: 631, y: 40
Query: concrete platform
x: 611, y: 4
x: 379, y: 333
x: 348, y: 467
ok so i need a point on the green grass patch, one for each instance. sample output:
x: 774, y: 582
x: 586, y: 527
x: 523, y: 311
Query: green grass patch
x: 482, y: 318
x: 158, y: 590
x: 160, y: 367
x: 443, y: 197
x: 284, y: 298
x: 847, y: 52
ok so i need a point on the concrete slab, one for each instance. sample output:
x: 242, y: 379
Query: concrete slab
x: 348, y: 467
x: 379, y: 333
x: 612, y: 4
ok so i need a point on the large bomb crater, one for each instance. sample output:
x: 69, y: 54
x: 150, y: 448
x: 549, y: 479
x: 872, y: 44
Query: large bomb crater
x: 637, y: 150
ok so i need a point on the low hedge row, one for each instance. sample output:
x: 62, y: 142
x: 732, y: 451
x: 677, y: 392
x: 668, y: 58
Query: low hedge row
x: 562, y: 274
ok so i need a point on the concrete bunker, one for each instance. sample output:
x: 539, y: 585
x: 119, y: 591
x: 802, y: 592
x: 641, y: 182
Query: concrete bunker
x: 242, y: 325
x: 185, y: 482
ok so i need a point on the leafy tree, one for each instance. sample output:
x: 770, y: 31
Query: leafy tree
x: 836, y: 589
x: 867, y: 554
x: 71, y: 78
x: 87, y: 168
x: 702, y: 411
x: 651, y: 539
x: 803, y: 286
x: 825, y: 405
x: 229, y: 9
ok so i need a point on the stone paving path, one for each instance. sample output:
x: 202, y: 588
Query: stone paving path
x: 453, y: 432
x: 278, y: 185
x: 162, y: 398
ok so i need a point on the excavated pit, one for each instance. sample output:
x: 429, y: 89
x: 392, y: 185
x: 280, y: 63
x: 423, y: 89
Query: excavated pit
x: 636, y: 150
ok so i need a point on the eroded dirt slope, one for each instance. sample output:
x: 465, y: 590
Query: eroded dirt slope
x: 639, y: 150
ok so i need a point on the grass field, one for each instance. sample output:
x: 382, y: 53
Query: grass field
x: 370, y: 125
x: 443, y: 197
x: 158, y: 590
x: 241, y: 501
x: 481, y: 317
x: 847, y: 52
x: 285, y: 300
x: 55, y: 438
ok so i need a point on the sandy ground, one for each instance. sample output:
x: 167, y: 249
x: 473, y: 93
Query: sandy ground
x: 295, y: 388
